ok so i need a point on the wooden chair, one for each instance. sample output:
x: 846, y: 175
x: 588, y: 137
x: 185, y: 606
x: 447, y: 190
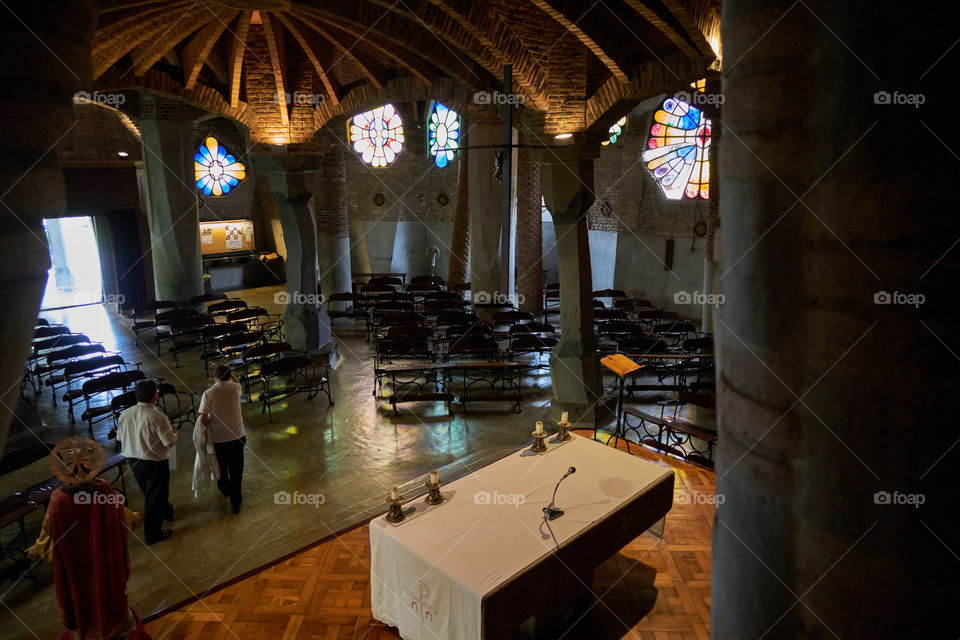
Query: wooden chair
x: 511, y: 318
x: 437, y: 280
x: 225, y: 308
x: 93, y: 389
x: 255, y: 357
x: 473, y: 346
x: 389, y: 349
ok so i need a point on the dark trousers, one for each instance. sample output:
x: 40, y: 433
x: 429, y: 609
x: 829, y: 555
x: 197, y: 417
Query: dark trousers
x: 154, y: 480
x: 230, y: 459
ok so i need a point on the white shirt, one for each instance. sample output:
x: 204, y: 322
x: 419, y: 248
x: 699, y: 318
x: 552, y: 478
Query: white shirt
x: 145, y: 433
x: 222, y: 402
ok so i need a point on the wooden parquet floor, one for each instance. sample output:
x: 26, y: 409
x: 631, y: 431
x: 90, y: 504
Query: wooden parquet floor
x: 652, y: 590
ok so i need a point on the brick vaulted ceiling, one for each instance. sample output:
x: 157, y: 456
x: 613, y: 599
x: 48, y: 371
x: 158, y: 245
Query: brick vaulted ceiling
x: 577, y: 62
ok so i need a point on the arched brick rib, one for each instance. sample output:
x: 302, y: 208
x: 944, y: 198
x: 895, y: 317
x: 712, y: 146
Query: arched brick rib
x: 196, y: 52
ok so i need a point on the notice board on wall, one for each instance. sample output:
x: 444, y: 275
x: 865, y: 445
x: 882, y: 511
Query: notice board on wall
x: 226, y: 236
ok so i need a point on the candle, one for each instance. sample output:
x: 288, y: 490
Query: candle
x: 539, y: 426
x: 395, y: 494
x: 434, y: 477
x: 564, y: 417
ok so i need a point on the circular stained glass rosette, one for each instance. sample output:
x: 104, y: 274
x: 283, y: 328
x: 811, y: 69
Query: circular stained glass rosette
x: 217, y: 171
x: 444, y: 134
x: 377, y: 135
x: 677, y: 152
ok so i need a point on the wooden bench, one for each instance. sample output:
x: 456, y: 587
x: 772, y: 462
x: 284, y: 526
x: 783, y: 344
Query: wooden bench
x: 404, y: 377
x: 491, y: 374
x: 299, y: 374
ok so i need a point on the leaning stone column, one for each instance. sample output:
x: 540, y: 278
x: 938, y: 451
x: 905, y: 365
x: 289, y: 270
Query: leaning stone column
x: 333, y: 228
x: 567, y: 182
x: 485, y: 194
x: 305, y: 322
x: 38, y: 113
x: 831, y: 391
x: 458, y: 269
x: 172, y: 208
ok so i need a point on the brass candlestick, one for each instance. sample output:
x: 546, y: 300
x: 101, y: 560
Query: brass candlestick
x: 395, y: 514
x: 434, y: 496
x: 563, y: 434
x: 538, y: 441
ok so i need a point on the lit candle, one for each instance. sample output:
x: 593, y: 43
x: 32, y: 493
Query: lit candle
x: 434, y: 477
x: 539, y: 427
x: 395, y: 494
x: 564, y: 417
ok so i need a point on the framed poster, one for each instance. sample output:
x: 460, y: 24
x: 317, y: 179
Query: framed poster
x: 226, y: 236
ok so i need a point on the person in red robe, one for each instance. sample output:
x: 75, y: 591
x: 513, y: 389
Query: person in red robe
x: 84, y: 537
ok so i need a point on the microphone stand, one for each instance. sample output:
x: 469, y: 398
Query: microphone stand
x: 551, y: 511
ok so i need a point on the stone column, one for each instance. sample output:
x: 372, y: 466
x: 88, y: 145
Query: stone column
x: 458, y: 269
x: 333, y: 229
x: 37, y: 115
x: 306, y: 324
x: 172, y: 208
x: 830, y: 391
x: 529, y: 233
x: 485, y: 200
x: 567, y: 182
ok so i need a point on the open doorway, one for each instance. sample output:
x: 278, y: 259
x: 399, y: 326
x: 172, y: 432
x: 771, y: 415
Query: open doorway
x: 74, y: 277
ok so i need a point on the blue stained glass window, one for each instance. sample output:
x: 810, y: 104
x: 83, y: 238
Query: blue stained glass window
x: 216, y: 170
x: 443, y: 133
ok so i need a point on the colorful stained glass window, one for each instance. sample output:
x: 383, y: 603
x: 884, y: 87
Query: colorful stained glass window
x: 377, y: 135
x: 677, y: 151
x: 443, y: 135
x: 616, y: 130
x: 216, y: 170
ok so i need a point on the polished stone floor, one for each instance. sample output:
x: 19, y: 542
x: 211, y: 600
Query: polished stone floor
x: 347, y: 456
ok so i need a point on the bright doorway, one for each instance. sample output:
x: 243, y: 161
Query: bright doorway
x: 74, y: 277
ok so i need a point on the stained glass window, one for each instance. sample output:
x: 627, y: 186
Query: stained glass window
x: 443, y: 134
x: 377, y: 135
x: 616, y: 130
x: 677, y: 151
x: 216, y: 170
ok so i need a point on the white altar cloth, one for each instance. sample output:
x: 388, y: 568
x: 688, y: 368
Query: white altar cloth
x: 429, y: 575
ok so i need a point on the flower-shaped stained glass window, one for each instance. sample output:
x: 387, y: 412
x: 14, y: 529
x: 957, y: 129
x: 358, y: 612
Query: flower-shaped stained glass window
x: 677, y: 151
x: 443, y: 134
x: 377, y: 135
x: 616, y: 130
x: 217, y: 171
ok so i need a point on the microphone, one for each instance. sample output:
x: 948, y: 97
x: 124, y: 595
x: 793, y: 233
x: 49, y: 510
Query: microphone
x: 551, y: 511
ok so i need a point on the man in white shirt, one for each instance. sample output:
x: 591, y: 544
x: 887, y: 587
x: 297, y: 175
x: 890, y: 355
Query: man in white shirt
x: 146, y: 438
x: 220, y: 411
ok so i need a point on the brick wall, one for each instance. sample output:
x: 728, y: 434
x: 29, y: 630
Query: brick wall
x: 98, y: 134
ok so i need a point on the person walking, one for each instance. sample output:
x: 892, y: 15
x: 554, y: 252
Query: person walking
x: 220, y: 411
x: 146, y: 438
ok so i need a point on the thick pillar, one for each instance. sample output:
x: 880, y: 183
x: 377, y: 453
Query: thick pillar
x: 567, y: 182
x: 306, y: 324
x: 457, y: 270
x: 38, y: 112
x: 529, y: 233
x: 333, y: 229
x: 172, y: 209
x: 837, y: 473
x: 485, y: 200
